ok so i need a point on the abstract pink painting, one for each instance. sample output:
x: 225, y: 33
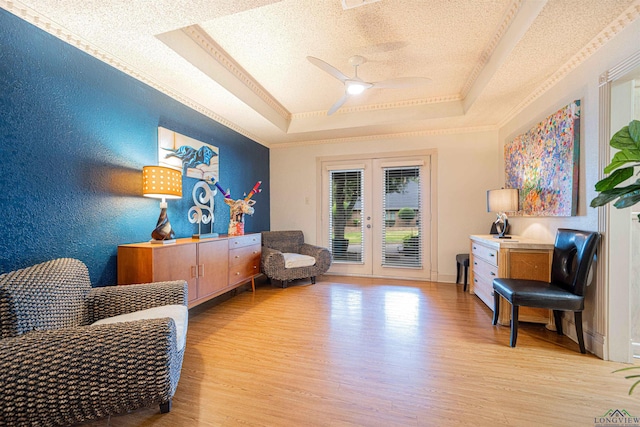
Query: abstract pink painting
x: 543, y: 164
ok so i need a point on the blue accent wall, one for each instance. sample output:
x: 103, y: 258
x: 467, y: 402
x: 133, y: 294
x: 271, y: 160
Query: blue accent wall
x: 74, y: 136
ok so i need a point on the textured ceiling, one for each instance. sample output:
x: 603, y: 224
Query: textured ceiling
x: 243, y: 62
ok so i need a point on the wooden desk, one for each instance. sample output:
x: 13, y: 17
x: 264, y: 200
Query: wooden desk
x: 515, y: 258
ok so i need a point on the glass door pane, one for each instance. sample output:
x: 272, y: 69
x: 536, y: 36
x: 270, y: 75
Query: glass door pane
x: 402, y: 211
x: 346, y: 219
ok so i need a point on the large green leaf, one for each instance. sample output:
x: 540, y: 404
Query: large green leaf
x: 628, y: 199
x: 608, y: 195
x: 618, y: 176
x: 634, y: 131
x: 604, y: 198
x: 627, y: 140
x: 622, y: 139
x: 623, y: 157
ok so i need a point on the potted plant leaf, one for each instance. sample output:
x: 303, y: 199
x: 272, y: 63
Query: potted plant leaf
x: 621, y: 168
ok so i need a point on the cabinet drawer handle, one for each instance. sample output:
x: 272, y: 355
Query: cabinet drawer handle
x: 237, y: 256
x: 475, y: 280
x: 201, y: 270
x: 492, y: 254
x: 194, y: 272
x: 493, y: 274
x: 237, y: 273
x: 474, y: 247
x: 475, y: 263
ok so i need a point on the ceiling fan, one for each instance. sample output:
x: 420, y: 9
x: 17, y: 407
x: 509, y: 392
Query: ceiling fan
x: 355, y: 85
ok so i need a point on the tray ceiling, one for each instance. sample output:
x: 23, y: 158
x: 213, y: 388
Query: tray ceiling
x: 243, y: 62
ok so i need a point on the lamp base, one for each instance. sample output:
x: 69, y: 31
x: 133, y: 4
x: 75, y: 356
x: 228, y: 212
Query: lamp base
x: 163, y: 229
x: 162, y: 242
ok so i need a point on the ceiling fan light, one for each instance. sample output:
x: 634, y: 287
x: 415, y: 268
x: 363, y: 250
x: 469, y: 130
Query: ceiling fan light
x: 355, y: 88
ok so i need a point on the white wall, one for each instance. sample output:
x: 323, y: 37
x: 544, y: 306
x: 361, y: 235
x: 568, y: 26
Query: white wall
x: 583, y: 84
x: 467, y: 166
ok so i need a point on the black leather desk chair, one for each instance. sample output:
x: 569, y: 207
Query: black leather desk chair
x: 573, y: 255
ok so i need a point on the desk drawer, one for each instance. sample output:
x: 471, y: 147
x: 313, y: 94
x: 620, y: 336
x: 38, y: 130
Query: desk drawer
x: 483, y: 288
x: 488, y: 254
x: 484, y: 268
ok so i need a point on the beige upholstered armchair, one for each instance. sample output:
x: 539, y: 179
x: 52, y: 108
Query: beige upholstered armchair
x: 285, y: 257
x: 70, y: 353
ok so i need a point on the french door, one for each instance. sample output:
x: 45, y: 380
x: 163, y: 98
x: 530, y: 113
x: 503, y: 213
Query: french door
x: 376, y: 216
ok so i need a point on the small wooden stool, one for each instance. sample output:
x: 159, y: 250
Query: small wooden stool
x: 462, y: 260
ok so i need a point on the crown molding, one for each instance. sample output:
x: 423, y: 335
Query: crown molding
x: 202, y: 39
x: 508, y: 18
x: 401, y: 135
x: 27, y: 14
x: 384, y: 106
x: 621, y: 22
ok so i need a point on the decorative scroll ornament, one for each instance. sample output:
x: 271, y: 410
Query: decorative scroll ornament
x: 202, y: 212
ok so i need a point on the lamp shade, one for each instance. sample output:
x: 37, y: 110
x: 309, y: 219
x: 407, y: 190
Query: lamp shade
x: 161, y: 182
x: 503, y: 200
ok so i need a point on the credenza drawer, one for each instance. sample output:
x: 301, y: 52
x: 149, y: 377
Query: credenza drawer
x: 244, y: 262
x: 244, y: 254
x: 242, y: 272
x: 242, y: 241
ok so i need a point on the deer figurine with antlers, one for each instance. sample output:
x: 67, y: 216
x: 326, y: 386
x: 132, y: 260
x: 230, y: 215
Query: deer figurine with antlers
x: 239, y: 208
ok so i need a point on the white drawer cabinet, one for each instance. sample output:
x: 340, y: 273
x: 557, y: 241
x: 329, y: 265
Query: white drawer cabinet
x: 516, y: 258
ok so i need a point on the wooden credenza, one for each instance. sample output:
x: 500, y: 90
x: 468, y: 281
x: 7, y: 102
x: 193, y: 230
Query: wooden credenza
x: 516, y: 258
x: 211, y: 267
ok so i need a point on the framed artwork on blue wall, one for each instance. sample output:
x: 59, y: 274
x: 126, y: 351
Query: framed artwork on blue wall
x: 195, y: 158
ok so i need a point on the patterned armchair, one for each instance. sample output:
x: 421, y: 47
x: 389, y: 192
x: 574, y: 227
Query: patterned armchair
x: 56, y: 368
x: 285, y: 257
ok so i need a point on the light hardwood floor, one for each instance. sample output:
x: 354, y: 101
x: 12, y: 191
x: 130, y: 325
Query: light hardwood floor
x: 373, y: 352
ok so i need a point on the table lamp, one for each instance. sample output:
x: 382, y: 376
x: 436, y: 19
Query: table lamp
x: 501, y: 201
x: 164, y: 183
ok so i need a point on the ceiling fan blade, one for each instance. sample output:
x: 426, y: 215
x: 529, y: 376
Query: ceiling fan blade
x: 338, y: 104
x: 400, y: 83
x: 328, y: 68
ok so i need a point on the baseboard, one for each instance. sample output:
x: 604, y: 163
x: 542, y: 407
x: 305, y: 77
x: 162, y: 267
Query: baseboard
x: 594, y: 342
x: 442, y: 278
